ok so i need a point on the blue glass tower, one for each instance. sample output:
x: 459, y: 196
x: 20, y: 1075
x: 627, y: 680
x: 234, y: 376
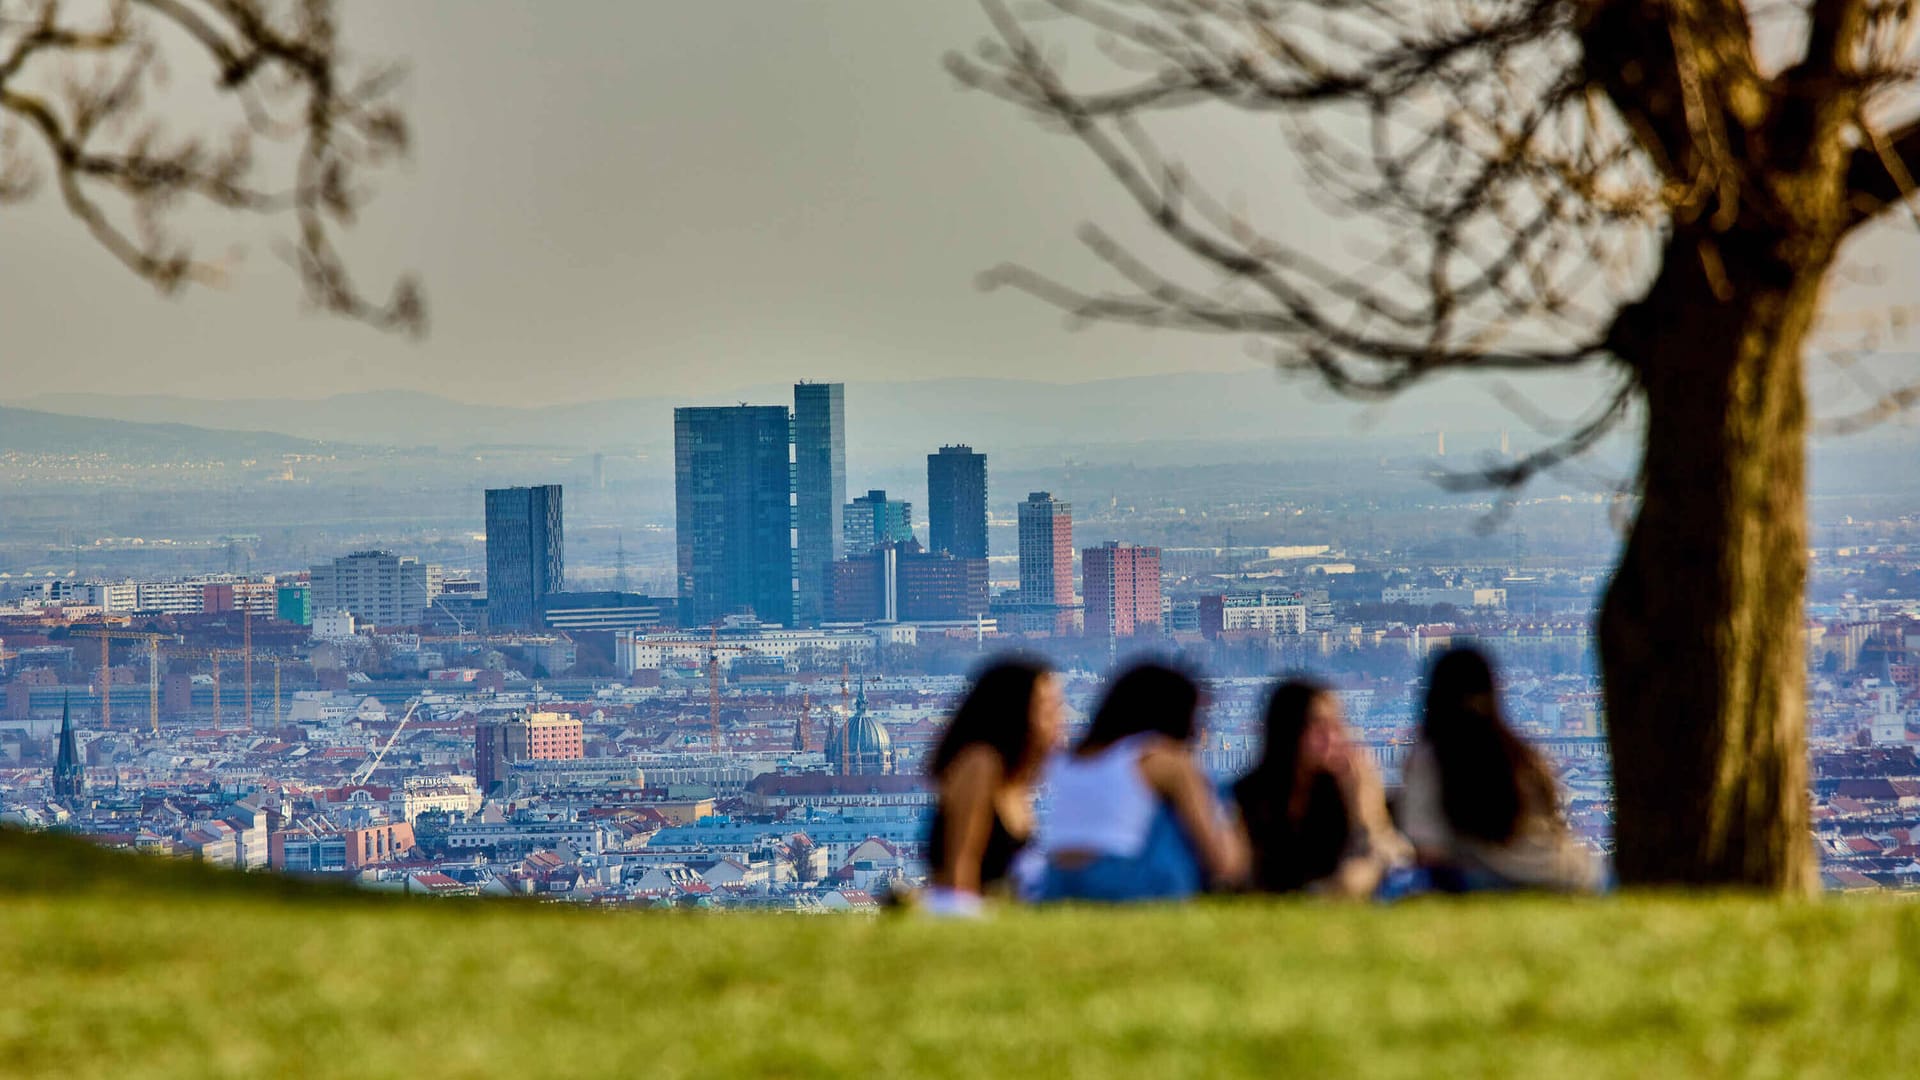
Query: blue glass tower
x: 733, y: 514
x: 820, y: 492
x: 525, y: 554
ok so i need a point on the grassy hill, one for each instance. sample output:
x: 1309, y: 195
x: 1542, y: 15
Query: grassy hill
x: 163, y: 970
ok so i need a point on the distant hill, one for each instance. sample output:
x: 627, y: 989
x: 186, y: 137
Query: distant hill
x: 883, y: 418
x: 34, y: 432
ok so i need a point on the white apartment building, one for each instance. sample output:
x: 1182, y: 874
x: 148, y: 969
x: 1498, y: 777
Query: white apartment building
x: 1425, y: 596
x: 637, y: 650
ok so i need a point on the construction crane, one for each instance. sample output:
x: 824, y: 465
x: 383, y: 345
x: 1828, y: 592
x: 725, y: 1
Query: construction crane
x: 215, y: 656
x: 246, y: 659
x: 713, y: 686
x: 107, y: 637
x: 366, y: 771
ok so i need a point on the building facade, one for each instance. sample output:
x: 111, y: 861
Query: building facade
x: 733, y: 544
x: 375, y: 587
x: 1266, y: 611
x: 1046, y: 550
x: 873, y: 519
x: 1122, y: 589
x: 957, y: 502
x: 526, y: 554
x: 820, y: 494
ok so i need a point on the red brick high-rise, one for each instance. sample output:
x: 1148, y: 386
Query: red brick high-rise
x: 1121, y: 584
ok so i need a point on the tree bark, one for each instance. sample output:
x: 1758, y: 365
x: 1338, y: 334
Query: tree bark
x: 1701, y: 628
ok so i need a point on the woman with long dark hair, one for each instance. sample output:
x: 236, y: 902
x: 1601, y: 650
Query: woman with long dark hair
x: 1129, y: 813
x: 985, y: 766
x: 1481, y: 806
x: 1313, y: 810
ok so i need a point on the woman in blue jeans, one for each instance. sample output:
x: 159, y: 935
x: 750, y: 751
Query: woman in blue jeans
x: 1129, y: 814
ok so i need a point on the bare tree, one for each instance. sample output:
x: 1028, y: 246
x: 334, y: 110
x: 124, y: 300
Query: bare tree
x: 1659, y: 188
x: 87, y: 97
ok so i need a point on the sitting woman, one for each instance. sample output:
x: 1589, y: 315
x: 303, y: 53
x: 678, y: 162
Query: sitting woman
x: 1480, y: 805
x: 1129, y: 815
x: 985, y: 767
x: 1313, y: 810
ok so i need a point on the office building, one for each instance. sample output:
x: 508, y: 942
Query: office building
x: 1046, y: 551
x: 499, y: 742
x: 525, y: 554
x: 1121, y: 590
x: 602, y: 610
x: 873, y: 519
x: 899, y: 582
x: 733, y: 536
x: 934, y: 586
x: 957, y: 502
x: 375, y: 587
x: 1265, y: 612
x: 819, y: 494
x: 293, y: 604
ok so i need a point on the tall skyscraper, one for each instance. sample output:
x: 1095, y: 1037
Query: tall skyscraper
x: 1046, y: 550
x: 820, y: 492
x: 957, y: 502
x: 873, y: 519
x: 1122, y: 589
x: 525, y: 554
x: 733, y: 518
x: 69, y: 772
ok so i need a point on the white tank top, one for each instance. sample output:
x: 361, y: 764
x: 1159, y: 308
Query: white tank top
x: 1100, y: 803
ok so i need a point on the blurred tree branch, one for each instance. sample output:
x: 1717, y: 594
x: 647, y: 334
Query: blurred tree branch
x: 79, y: 86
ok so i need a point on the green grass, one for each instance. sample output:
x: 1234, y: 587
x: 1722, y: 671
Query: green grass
x: 163, y: 970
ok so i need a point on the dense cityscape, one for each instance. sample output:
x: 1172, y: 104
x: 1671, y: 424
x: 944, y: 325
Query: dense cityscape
x: 480, y: 716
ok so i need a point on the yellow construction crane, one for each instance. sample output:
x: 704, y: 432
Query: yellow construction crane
x: 713, y: 685
x: 215, y: 656
x: 107, y: 637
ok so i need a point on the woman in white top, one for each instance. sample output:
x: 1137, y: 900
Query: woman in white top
x: 1129, y: 815
x: 1480, y: 805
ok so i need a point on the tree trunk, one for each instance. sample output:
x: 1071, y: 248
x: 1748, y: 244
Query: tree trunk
x: 1701, y: 628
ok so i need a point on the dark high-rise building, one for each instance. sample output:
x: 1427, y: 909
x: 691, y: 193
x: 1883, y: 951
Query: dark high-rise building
x: 733, y: 519
x: 1122, y: 589
x: 873, y: 519
x: 820, y: 493
x: 525, y: 559
x: 957, y: 502
x: 69, y: 772
x: 497, y: 744
x: 1046, y: 550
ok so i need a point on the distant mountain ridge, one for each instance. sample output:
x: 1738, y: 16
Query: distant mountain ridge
x: 30, y: 431
x: 882, y: 417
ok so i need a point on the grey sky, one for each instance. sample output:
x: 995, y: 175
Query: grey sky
x: 614, y: 199
x: 619, y: 198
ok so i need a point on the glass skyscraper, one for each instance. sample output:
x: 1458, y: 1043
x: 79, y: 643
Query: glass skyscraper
x: 820, y: 492
x: 525, y: 554
x: 733, y: 513
x: 873, y: 519
x: 957, y: 502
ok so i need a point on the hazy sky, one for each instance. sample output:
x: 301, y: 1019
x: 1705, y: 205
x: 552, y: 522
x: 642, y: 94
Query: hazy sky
x: 621, y: 198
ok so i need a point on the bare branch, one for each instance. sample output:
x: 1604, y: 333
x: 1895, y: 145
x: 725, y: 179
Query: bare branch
x: 121, y: 174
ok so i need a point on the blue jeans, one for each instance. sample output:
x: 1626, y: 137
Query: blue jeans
x: 1167, y: 868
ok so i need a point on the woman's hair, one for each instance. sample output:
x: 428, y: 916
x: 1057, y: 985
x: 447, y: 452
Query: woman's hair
x: 1288, y: 709
x: 996, y: 713
x: 1489, y: 778
x: 1148, y: 697
x: 1289, y: 853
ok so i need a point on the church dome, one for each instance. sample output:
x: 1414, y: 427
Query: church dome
x: 862, y: 746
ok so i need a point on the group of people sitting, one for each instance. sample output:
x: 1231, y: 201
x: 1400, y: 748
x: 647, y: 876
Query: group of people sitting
x: 1130, y: 815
